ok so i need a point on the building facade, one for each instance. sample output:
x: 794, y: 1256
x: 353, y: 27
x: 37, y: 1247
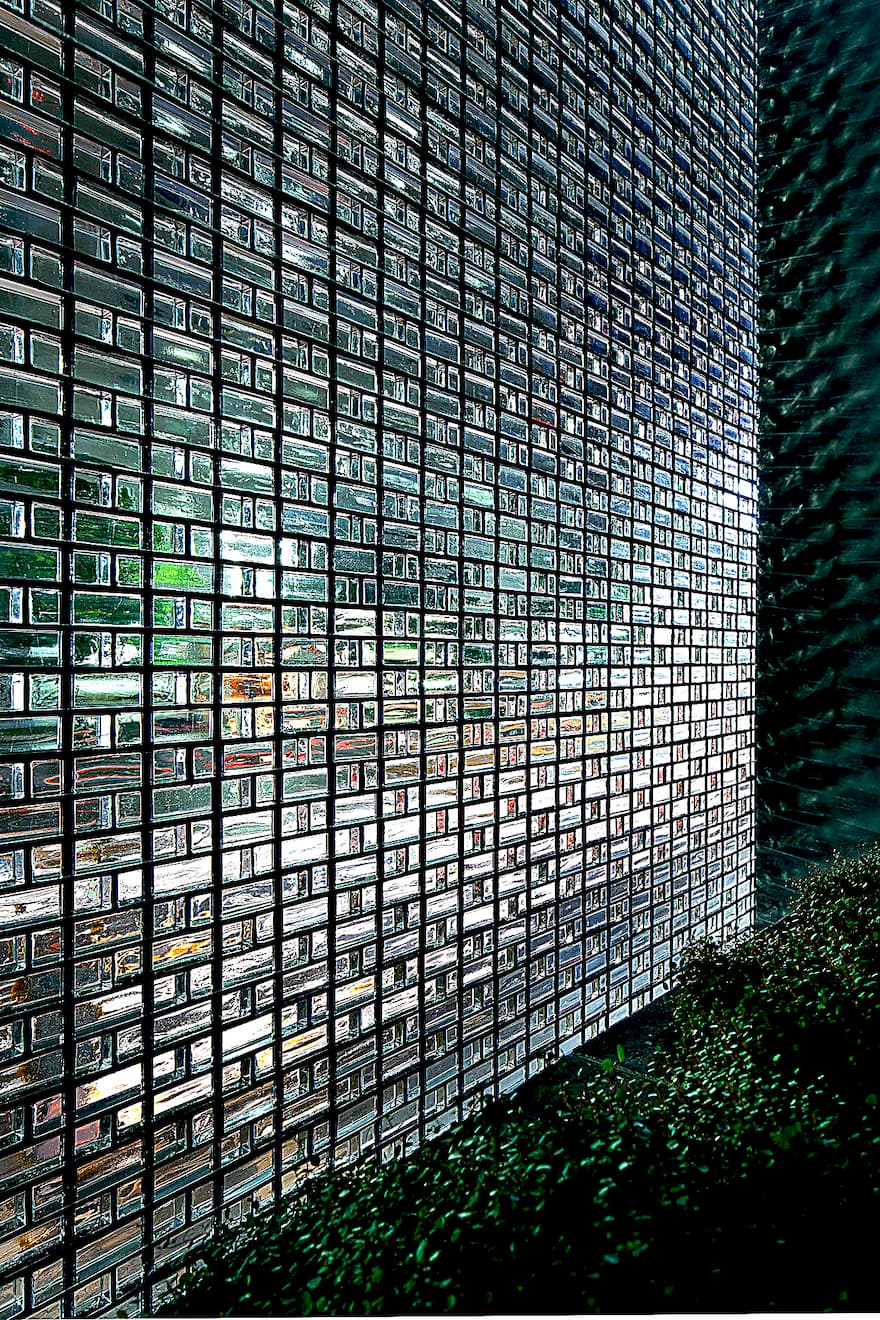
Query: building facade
x: 377, y: 522
x: 819, y: 627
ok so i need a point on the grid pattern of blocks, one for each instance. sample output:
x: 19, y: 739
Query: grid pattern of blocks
x: 377, y: 527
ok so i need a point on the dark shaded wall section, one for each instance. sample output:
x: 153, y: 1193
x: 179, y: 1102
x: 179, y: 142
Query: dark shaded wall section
x: 819, y: 621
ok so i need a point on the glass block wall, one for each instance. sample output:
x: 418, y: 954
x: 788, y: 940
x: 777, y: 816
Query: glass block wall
x: 377, y: 548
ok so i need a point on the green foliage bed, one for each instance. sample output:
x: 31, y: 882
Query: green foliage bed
x: 743, y: 1174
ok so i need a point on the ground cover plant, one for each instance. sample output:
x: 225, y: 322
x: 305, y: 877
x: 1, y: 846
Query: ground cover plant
x: 741, y: 1173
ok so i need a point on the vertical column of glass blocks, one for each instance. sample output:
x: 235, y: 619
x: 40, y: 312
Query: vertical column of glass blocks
x: 624, y: 889
x: 513, y: 562
x: 576, y: 707
x: 401, y: 537
x: 478, y: 551
x: 377, y: 559
x: 598, y: 487
x: 180, y: 735
x: 33, y: 505
x: 106, y: 644
x: 306, y: 215
x: 359, y: 559
x: 246, y: 708
x: 442, y: 571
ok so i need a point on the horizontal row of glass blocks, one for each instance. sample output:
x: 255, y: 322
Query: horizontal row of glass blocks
x: 377, y: 523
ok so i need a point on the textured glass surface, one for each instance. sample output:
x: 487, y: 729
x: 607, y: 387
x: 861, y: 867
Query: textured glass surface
x: 377, y: 556
x: 819, y: 625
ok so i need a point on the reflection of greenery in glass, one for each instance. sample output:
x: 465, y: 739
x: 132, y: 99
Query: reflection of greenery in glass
x: 192, y: 576
x: 20, y: 562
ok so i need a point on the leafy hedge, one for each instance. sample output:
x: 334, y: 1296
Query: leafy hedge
x: 742, y: 1174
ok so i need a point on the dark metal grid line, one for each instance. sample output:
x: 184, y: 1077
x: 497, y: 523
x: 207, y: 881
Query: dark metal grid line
x: 216, y: 732
x: 422, y: 942
x: 148, y: 978
x: 529, y: 595
x: 557, y: 711
x: 689, y: 230
x: 651, y: 115
x: 496, y: 496
x: 278, y: 639
x: 332, y: 579
x: 66, y: 697
x: 462, y: 613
